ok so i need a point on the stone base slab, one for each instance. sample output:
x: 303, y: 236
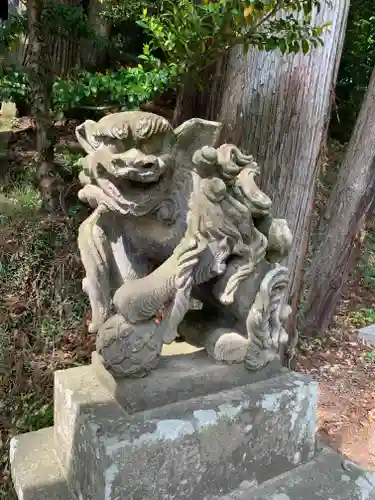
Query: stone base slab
x: 190, y: 448
x: 328, y: 477
x: 38, y: 476
x: 36, y: 471
x: 179, y: 378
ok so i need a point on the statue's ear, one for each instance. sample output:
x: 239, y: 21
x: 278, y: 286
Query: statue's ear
x: 193, y: 135
x: 84, y: 135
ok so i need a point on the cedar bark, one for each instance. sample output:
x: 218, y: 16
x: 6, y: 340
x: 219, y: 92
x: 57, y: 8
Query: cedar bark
x: 40, y: 79
x: 195, y: 103
x: 187, y: 104
x: 276, y: 108
x: 93, y: 54
x: 341, y: 230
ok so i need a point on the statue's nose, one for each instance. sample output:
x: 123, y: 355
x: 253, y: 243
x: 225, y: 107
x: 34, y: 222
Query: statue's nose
x: 147, y: 163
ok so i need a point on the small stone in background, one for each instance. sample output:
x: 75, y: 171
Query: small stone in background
x: 8, y: 110
x: 8, y: 113
x: 367, y: 334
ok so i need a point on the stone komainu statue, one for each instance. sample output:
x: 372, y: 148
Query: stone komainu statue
x: 181, y: 244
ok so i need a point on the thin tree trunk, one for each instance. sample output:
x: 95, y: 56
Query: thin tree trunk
x: 40, y: 78
x: 351, y: 203
x: 275, y: 107
x: 41, y: 81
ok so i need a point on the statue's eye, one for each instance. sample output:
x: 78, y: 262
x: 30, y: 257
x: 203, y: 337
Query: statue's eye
x: 152, y: 146
x: 115, y: 145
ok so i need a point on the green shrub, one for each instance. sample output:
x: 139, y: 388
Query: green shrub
x: 14, y: 85
x: 125, y: 88
x: 362, y: 317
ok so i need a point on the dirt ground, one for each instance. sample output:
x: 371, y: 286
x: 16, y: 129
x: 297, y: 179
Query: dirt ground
x: 344, y: 367
x: 346, y: 410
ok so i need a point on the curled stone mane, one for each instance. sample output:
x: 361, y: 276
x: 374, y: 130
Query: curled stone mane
x: 209, y: 217
x: 137, y: 124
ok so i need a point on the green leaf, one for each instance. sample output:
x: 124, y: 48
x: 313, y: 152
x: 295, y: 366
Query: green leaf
x: 283, y: 46
x: 305, y: 46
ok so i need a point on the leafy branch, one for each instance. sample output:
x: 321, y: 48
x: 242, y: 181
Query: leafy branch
x: 194, y: 34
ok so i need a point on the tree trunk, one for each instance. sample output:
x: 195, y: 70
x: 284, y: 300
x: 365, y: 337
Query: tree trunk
x: 193, y: 102
x: 276, y: 107
x: 41, y: 81
x: 63, y: 54
x: 351, y: 203
x: 40, y: 78
x: 93, y: 54
x: 187, y: 104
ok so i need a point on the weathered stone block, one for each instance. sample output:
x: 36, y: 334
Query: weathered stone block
x: 179, y: 378
x: 37, y: 476
x: 36, y: 471
x: 367, y: 334
x: 327, y: 477
x: 204, y: 445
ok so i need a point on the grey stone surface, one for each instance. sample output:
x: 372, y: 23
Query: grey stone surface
x: 178, y: 378
x: 367, y: 334
x: 36, y: 472
x: 327, y: 477
x: 245, y: 442
x: 190, y: 449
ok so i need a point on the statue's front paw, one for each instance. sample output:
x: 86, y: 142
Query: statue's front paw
x: 128, y: 350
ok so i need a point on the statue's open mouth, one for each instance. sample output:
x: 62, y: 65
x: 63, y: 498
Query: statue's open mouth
x: 137, y: 181
x: 137, y: 187
x: 143, y: 174
x: 248, y: 193
x: 149, y: 173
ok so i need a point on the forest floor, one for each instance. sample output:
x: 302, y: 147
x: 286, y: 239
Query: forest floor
x: 44, y: 315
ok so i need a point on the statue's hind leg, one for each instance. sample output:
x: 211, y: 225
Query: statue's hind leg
x: 222, y: 342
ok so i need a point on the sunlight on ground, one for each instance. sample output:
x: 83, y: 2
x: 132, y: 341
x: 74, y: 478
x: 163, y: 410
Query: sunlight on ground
x: 178, y: 348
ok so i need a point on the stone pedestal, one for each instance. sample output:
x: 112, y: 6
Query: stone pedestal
x: 191, y: 430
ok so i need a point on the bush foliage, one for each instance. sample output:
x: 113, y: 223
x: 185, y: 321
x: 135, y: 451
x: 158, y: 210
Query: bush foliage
x: 125, y: 88
x: 187, y: 35
x: 357, y: 63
